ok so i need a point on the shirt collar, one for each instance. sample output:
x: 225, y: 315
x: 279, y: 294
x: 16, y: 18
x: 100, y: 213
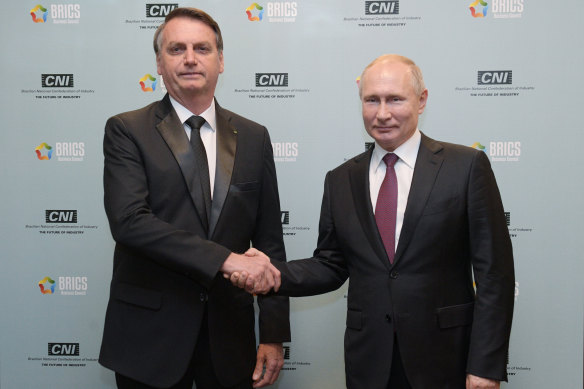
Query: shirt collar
x: 183, y: 113
x: 407, y: 151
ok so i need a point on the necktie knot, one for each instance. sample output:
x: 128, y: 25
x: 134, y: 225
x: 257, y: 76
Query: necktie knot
x: 195, y: 122
x: 390, y: 159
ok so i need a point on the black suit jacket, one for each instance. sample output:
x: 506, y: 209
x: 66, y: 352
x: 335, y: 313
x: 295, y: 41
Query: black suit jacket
x: 453, y: 224
x: 166, y: 260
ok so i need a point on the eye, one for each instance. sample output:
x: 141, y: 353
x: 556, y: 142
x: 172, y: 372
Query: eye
x: 202, y: 49
x: 175, y: 49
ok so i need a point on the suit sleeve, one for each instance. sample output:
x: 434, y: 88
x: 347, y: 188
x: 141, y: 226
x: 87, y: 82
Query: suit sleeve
x: 274, y: 316
x: 327, y: 269
x: 492, y: 259
x: 135, y: 226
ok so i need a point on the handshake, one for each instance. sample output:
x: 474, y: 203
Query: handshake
x: 251, y: 271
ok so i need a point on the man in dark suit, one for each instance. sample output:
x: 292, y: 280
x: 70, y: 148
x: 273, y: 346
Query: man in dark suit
x: 409, y: 229
x: 179, y: 212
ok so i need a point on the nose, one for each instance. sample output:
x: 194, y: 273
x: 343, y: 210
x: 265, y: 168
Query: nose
x: 190, y: 57
x: 383, y: 112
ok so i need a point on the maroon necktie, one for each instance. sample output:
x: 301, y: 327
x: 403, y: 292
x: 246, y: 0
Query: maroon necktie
x: 386, y: 207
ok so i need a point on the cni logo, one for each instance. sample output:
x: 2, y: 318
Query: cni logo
x: 159, y: 10
x: 60, y: 216
x: 69, y: 349
x: 494, y: 77
x: 285, y: 215
x: 152, y: 86
x: 508, y: 218
x: 57, y: 80
x: 47, y: 285
x: 475, y: 12
x: 271, y: 79
x: 382, y: 7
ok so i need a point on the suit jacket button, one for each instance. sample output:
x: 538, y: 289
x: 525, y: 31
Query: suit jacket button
x: 394, y: 274
x: 203, y: 297
x: 388, y: 318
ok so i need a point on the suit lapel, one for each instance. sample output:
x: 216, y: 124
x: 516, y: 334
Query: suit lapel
x: 359, y: 176
x: 172, y: 131
x: 428, y: 165
x: 226, y: 146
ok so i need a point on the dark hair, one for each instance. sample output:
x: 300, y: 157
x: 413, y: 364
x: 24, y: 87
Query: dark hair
x: 192, y: 13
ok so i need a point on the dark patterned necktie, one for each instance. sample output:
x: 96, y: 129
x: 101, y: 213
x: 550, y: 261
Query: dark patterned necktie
x: 386, y: 207
x: 195, y: 123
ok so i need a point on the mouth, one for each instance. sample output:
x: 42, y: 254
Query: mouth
x: 191, y: 74
x: 384, y: 128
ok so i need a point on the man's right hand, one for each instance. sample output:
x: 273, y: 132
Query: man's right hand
x: 252, y: 272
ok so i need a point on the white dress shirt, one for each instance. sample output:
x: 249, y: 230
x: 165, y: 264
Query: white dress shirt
x: 404, y: 170
x: 208, y: 133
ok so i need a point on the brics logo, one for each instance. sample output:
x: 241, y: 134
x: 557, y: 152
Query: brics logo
x: 249, y: 10
x: 478, y: 146
x: 47, y: 285
x: 152, y: 86
x: 159, y: 10
x: 57, y: 80
x: 43, y: 17
x: 39, y: 154
x: 478, y: 13
x: 381, y: 7
x: 495, y: 77
x: 60, y: 216
x: 271, y: 79
x: 68, y: 349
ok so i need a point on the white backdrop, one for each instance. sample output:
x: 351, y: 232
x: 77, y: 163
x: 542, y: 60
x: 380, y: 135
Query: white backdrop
x: 508, y: 82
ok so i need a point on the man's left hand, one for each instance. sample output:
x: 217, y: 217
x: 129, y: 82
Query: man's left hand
x: 270, y: 355
x: 474, y: 382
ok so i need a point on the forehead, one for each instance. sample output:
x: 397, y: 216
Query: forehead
x: 184, y: 29
x: 387, y: 77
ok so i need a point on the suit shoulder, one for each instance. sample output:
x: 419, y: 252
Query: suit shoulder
x: 350, y: 163
x: 239, y: 121
x: 451, y: 149
x: 137, y: 114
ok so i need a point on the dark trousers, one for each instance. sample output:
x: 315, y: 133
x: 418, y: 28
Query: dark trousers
x: 200, y: 370
x: 397, y: 377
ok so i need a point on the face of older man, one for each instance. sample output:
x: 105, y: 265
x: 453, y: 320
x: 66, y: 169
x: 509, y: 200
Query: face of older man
x: 390, y: 104
x: 188, y: 59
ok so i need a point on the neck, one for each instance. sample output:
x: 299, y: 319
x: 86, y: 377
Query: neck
x: 197, y: 104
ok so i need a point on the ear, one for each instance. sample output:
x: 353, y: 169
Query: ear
x: 221, y: 62
x: 423, y: 100
x: 158, y: 68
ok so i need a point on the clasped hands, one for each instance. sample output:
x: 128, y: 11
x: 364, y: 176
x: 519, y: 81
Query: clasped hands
x: 252, y: 271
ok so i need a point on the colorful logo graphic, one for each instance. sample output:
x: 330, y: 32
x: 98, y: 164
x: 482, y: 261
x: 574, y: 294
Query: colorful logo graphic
x: 47, y: 285
x: 34, y: 16
x: 46, y: 147
x: 478, y: 146
x: 152, y: 88
x: 255, y: 18
x: 479, y: 14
